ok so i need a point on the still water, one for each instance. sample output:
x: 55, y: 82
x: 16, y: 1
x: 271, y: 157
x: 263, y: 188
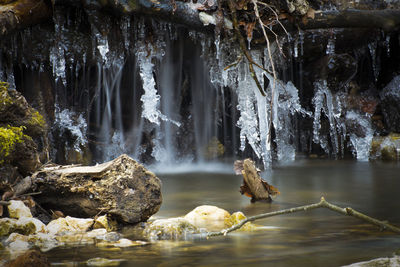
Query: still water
x: 314, y: 238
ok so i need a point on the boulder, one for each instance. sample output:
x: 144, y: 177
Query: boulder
x: 122, y: 188
x: 210, y: 218
x: 390, y: 103
x: 196, y: 224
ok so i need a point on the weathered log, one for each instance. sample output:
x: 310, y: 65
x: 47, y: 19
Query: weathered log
x: 23, y: 13
x: 253, y: 185
x: 122, y: 188
x: 387, y: 19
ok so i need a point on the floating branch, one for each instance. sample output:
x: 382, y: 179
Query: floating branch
x: 322, y: 204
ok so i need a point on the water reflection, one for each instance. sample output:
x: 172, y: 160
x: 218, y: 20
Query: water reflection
x: 315, y: 238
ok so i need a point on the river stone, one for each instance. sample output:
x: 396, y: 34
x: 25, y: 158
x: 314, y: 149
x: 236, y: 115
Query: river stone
x: 122, y: 188
x: 210, y: 218
x: 390, y: 103
x: 69, y: 225
x: 17, y: 209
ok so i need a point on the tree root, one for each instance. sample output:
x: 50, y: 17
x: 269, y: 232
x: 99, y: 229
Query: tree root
x: 322, y: 204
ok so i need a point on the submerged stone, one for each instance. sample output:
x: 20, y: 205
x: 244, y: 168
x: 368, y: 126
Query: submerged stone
x: 102, y: 262
x: 173, y: 228
x: 210, y: 218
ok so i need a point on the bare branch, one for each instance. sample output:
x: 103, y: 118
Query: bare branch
x: 322, y: 204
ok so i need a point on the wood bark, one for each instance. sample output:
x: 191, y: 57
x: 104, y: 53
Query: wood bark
x: 253, y: 185
x: 23, y: 13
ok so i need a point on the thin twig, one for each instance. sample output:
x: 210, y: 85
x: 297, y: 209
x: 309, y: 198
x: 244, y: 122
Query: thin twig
x: 322, y: 204
x: 244, y: 49
x: 273, y: 87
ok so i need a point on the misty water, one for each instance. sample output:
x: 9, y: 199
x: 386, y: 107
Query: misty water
x: 314, y: 238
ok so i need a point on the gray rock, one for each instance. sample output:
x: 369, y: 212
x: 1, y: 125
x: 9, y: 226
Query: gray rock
x: 390, y: 103
x: 122, y: 188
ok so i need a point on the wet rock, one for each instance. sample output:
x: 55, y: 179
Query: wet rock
x: 23, y: 226
x: 17, y: 209
x: 390, y: 103
x: 389, y: 262
x: 22, y: 132
x: 122, y: 187
x: 172, y: 228
x: 196, y: 224
x: 210, y: 218
x: 69, y: 225
x: 105, y: 222
x: 102, y: 262
x: 386, y: 148
x: 29, y: 259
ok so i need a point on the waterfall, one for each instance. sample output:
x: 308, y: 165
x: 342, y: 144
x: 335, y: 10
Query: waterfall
x: 162, y: 94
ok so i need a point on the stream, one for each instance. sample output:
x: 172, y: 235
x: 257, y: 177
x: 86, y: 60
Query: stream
x: 315, y: 238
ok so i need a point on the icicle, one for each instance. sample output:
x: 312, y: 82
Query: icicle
x: 67, y: 120
x: 387, y: 45
x: 372, y: 49
x: 362, y: 134
x: 57, y: 59
x: 150, y: 98
x: 11, y: 79
x: 323, y: 101
x: 330, y: 47
x: 248, y: 122
x: 217, y: 46
x: 102, y: 46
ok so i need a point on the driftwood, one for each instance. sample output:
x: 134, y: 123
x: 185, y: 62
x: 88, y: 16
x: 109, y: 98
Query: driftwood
x: 322, y: 204
x: 253, y: 185
x: 122, y: 188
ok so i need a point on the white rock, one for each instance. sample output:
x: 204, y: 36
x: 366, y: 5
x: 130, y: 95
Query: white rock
x: 17, y: 209
x: 40, y: 227
x: 69, y: 224
x: 211, y: 218
x: 15, y: 236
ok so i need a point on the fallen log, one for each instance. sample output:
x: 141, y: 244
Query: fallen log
x: 122, y: 188
x: 23, y: 13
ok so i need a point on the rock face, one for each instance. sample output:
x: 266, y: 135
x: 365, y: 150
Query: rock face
x: 390, y: 97
x: 23, y: 137
x: 122, y: 188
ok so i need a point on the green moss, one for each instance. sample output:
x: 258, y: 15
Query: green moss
x: 9, y: 137
x: 5, y: 99
x: 37, y: 120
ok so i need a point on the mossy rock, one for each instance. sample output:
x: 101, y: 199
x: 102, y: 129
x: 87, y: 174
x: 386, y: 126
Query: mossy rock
x: 8, y: 226
x: 23, y: 131
x: 9, y: 137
